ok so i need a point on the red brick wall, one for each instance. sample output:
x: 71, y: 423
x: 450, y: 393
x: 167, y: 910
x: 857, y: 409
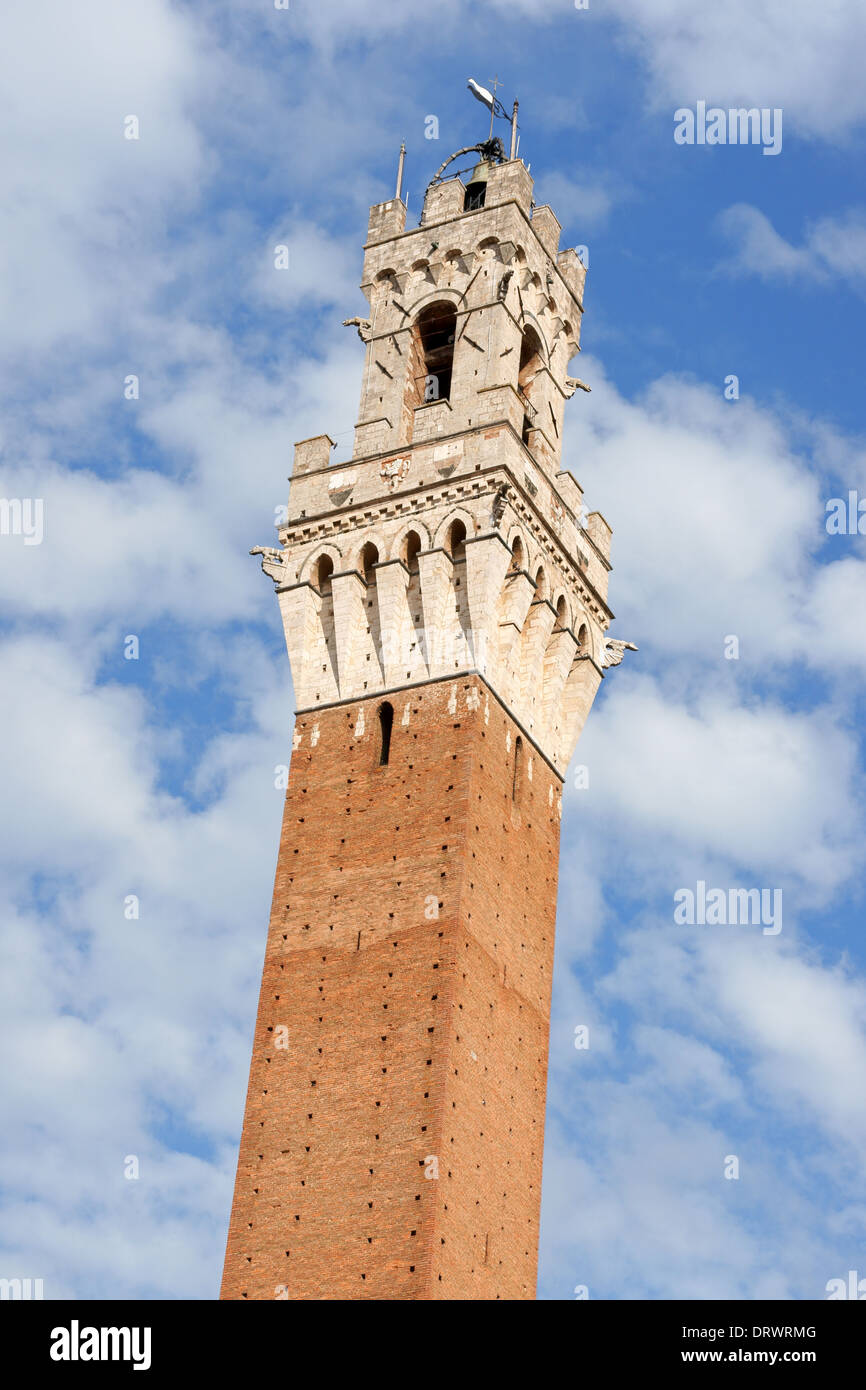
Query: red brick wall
x: 409, y: 1035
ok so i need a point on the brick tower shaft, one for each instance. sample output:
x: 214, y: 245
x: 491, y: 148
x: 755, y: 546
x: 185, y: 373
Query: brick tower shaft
x: 393, y: 1135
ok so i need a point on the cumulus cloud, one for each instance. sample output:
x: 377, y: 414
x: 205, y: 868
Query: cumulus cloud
x: 832, y: 248
x: 787, y: 53
x: 82, y: 199
x: 752, y: 786
x: 717, y: 501
x: 578, y: 205
x: 108, y: 1025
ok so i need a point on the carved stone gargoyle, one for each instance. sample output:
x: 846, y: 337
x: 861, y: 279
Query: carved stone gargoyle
x: 364, y: 327
x: 613, y: 651
x: 272, y: 560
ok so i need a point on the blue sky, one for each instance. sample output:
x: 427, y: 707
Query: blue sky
x: 155, y: 777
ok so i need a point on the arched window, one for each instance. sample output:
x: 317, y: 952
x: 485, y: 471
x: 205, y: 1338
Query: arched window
x: 531, y: 357
x: 324, y: 570
x: 561, y: 614
x: 437, y: 326
x: 456, y: 542
x: 386, y: 724
x: 582, y: 641
x: 369, y: 558
x: 411, y: 550
x: 517, y: 554
x: 531, y: 362
x: 518, y: 768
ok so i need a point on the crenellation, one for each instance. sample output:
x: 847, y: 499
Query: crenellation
x: 573, y: 272
x: 509, y: 182
x: 547, y: 228
x: 443, y: 202
x: 599, y: 532
x: 387, y: 220
x: 312, y: 454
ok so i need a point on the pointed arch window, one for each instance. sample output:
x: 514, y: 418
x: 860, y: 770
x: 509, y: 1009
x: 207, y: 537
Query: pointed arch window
x: 437, y: 328
x: 369, y: 560
x: 531, y: 363
x: 324, y: 571
x: 411, y: 551
x: 456, y: 541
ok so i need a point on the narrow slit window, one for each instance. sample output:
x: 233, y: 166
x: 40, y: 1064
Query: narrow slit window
x: 386, y: 724
x: 518, y: 761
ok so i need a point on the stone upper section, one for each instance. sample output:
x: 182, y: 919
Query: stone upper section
x: 516, y: 301
x: 453, y: 541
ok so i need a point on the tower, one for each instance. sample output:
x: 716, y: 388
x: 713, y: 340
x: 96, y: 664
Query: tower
x: 444, y: 600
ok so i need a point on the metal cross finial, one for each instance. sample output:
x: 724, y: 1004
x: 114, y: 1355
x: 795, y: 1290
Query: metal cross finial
x: 495, y: 83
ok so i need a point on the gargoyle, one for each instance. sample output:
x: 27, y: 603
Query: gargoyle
x: 272, y: 560
x: 500, y: 502
x: 572, y: 384
x: 502, y: 291
x: 364, y: 327
x: 613, y: 651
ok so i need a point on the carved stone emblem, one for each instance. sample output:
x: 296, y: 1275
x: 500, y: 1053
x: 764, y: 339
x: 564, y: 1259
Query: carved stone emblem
x: 393, y: 471
x: 340, y: 487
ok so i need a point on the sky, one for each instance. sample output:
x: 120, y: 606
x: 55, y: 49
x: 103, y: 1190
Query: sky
x: 709, y: 1141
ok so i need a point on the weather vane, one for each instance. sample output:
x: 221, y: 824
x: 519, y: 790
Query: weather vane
x: 488, y: 99
x: 492, y: 149
x: 495, y: 107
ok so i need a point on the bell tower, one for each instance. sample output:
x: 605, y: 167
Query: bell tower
x: 444, y: 599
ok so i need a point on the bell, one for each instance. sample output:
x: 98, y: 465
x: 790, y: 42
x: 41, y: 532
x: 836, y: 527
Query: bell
x: 477, y: 186
x: 480, y: 174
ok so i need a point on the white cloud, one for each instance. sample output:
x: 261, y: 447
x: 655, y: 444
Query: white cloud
x: 806, y: 1025
x: 831, y: 247
x: 81, y: 198
x: 714, y: 503
x: 793, y: 54
x: 748, y: 785
x: 760, y: 250
x: 645, y: 1211
x: 706, y: 499
x: 110, y: 1024
x: 580, y: 205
